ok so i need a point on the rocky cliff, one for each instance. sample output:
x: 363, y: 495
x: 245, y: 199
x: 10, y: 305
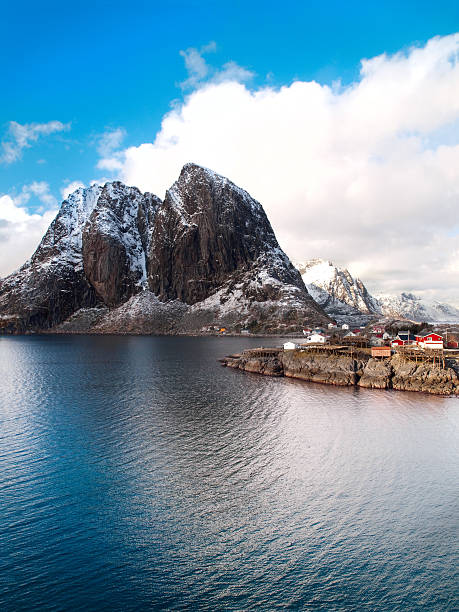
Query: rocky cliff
x: 118, y: 260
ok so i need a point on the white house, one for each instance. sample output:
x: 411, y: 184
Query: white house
x: 315, y: 339
x: 344, y: 326
x: 289, y: 346
x: 332, y: 325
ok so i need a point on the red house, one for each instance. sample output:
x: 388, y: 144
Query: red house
x: 431, y: 340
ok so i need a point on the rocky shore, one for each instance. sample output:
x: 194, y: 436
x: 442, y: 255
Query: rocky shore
x: 351, y: 369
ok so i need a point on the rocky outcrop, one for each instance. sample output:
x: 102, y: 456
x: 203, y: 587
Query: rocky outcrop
x: 342, y: 370
x: 409, y: 376
x: 377, y: 374
x: 207, y: 255
x: 257, y: 361
x: 350, y: 370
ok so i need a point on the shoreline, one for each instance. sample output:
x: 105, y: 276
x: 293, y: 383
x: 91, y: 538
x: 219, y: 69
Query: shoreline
x: 357, y: 369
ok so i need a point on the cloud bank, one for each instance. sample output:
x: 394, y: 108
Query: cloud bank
x: 366, y: 175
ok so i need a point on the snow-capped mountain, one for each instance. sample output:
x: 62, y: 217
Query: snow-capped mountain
x: 115, y: 259
x: 414, y: 308
x: 339, y: 294
x: 346, y: 298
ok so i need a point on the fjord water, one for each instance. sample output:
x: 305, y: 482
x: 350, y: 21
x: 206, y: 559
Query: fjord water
x: 137, y: 473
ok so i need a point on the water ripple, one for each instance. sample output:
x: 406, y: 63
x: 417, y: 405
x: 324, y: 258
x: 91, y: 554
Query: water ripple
x: 136, y: 473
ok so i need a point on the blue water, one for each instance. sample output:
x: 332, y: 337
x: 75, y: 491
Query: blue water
x: 136, y: 473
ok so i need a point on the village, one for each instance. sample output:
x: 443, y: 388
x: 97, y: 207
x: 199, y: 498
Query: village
x: 382, y: 340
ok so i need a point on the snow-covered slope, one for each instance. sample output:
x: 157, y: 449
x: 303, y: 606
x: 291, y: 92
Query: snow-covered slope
x: 336, y: 290
x: 414, y: 308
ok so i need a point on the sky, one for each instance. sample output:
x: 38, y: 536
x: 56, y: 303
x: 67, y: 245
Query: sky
x: 341, y: 118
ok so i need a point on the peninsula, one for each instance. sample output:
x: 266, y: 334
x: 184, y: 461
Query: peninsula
x: 404, y: 370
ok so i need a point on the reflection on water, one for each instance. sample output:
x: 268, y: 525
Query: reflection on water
x: 137, y: 473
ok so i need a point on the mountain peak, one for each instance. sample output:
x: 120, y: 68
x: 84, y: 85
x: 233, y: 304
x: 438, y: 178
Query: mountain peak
x: 336, y: 290
x: 207, y: 230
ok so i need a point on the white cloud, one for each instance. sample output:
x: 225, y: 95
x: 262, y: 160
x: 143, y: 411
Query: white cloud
x: 20, y: 233
x: 70, y: 188
x: 366, y: 175
x: 40, y: 189
x: 196, y: 65
x: 108, y: 144
x: 110, y: 141
x: 201, y: 73
x: 21, y: 137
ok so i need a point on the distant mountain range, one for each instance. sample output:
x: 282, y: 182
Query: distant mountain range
x: 343, y: 296
x: 413, y: 307
x: 116, y: 260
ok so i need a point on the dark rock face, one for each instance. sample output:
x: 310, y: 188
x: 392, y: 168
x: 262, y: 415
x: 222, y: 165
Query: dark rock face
x: 206, y: 255
x: 207, y: 230
x: 115, y: 240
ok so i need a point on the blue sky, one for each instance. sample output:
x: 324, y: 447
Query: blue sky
x: 101, y: 65
x: 342, y: 115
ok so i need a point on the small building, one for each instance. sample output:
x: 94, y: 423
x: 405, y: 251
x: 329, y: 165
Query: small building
x: 332, y: 325
x: 430, y: 341
x: 317, y: 330
x: 452, y: 344
x: 377, y: 329
x: 307, y: 331
x: 289, y: 346
x: 316, y: 339
x: 381, y: 351
x: 386, y: 336
x: 344, y: 326
x: 350, y: 334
